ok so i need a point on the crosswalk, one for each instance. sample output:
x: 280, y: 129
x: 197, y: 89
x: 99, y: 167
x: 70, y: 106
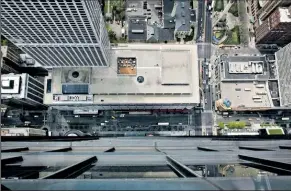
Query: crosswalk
x: 204, y: 50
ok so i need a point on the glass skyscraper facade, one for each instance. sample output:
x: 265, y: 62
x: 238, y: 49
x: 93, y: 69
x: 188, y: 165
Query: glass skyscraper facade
x: 57, y: 33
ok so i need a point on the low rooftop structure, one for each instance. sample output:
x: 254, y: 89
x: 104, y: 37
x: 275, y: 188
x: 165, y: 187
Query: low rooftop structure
x: 166, y: 77
x: 247, y: 82
x: 137, y: 28
x: 246, y: 95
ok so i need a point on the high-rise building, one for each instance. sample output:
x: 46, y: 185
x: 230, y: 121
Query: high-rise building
x: 57, y: 33
x: 10, y: 57
x: 284, y: 72
x: 276, y: 28
x: 21, y: 89
x: 267, y: 7
x: 262, y: 9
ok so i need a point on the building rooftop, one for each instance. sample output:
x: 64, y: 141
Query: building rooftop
x: 160, y: 34
x: 182, y: 16
x: 137, y: 28
x: 177, y: 15
x: 246, y: 94
x: 169, y: 73
x: 284, y: 14
x: 248, y: 82
x: 168, y: 8
x: 231, y: 65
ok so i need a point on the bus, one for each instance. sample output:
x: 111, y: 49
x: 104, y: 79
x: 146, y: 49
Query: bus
x: 139, y: 112
x: 164, y: 124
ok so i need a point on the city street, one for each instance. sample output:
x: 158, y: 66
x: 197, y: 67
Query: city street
x: 208, y: 34
x: 206, y: 63
x: 201, y: 11
x: 243, y: 16
x: 204, y: 119
x: 122, y: 121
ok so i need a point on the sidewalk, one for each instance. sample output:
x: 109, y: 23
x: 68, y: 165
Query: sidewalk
x: 195, y: 4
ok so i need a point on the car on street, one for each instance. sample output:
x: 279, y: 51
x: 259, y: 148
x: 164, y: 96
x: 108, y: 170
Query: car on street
x: 205, y: 101
x: 204, y: 81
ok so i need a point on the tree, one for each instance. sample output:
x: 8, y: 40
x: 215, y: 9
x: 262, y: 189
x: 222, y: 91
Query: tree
x: 221, y: 125
x: 191, y: 36
x: 236, y: 124
x: 177, y: 37
x: 122, y: 40
x: 119, y: 10
x: 112, y: 36
x: 4, y: 42
x: 122, y: 15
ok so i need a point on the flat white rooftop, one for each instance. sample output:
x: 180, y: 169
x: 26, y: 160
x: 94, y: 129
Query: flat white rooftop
x: 246, y: 94
x: 170, y: 74
x: 284, y: 14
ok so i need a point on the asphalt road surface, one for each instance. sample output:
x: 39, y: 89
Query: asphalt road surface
x: 201, y: 11
x: 208, y: 34
x: 204, y: 52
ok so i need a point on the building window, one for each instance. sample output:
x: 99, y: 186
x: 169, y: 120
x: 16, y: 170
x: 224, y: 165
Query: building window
x: 49, y: 86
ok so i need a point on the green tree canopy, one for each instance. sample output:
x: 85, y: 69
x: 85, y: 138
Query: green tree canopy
x: 236, y: 124
x: 220, y: 124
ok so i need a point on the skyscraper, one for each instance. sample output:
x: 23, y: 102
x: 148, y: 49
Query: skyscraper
x: 268, y: 6
x: 21, y: 90
x: 262, y: 9
x: 57, y: 33
x: 276, y: 28
x: 284, y: 72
